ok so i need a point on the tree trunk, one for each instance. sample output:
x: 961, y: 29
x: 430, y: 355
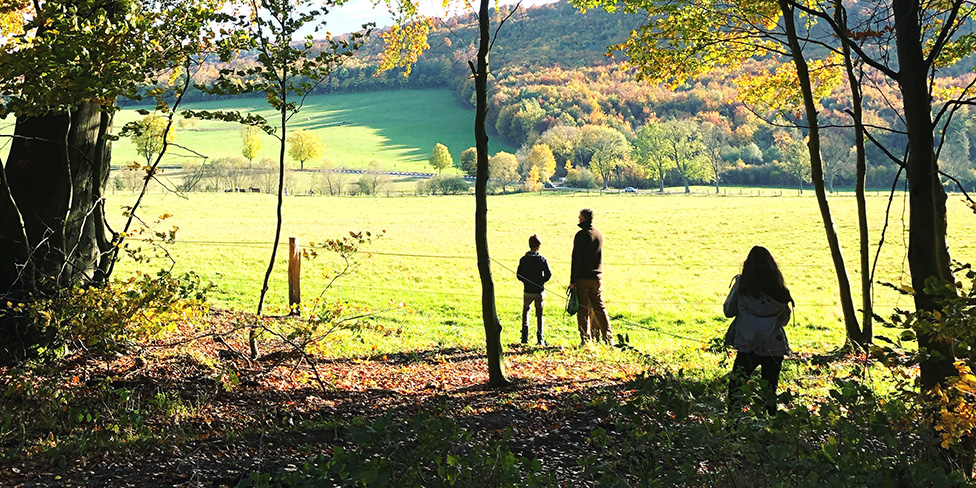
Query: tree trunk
x: 52, y: 225
x: 51, y: 202
x: 13, y: 246
x: 928, y: 255
x: 493, y: 328
x: 863, y: 336
x: 252, y: 338
x: 816, y: 168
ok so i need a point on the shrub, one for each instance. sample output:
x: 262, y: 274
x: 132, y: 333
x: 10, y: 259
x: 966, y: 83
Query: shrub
x: 581, y: 178
x: 675, y: 431
x: 951, y: 407
x: 450, y: 185
x: 370, y: 184
x: 443, y: 184
x: 105, y: 319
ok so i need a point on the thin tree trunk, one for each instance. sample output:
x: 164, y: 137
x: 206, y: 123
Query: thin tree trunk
x: 252, y: 334
x: 493, y: 328
x: 816, y: 167
x: 863, y: 336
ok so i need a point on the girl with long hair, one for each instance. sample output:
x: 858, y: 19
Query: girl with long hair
x: 760, y: 302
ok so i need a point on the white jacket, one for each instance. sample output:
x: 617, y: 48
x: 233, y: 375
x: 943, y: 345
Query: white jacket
x: 759, y: 323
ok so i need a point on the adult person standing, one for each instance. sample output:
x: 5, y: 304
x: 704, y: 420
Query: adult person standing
x: 760, y: 302
x: 586, y: 277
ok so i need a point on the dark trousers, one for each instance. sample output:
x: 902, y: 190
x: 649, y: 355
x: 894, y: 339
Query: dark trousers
x: 527, y: 300
x: 745, y: 364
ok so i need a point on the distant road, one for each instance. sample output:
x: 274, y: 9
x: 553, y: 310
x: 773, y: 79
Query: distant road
x: 392, y: 173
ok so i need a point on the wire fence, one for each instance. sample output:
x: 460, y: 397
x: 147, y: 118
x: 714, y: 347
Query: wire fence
x: 620, y: 321
x: 691, y: 302
x: 284, y: 245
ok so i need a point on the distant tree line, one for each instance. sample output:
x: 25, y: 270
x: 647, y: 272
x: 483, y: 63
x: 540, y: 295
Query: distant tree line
x: 552, y: 77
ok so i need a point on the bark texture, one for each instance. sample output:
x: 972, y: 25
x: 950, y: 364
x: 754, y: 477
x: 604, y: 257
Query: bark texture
x: 51, y: 202
x: 53, y: 233
x: 493, y: 328
x: 928, y: 255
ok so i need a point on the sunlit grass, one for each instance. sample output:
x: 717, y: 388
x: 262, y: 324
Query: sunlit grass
x: 668, y: 261
x: 397, y: 129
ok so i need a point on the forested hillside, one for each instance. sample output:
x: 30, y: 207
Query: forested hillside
x: 554, y: 84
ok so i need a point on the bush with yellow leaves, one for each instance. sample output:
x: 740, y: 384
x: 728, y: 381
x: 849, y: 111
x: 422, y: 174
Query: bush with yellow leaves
x: 108, y: 318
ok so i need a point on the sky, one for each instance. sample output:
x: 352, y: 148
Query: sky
x: 354, y: 13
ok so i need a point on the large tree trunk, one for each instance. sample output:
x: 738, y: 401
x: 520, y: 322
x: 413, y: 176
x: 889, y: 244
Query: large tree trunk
x: 816, y: 168
x: 928, y: 255
x: 56, y: 175
x: 53, y: 233
x: 493, y: 328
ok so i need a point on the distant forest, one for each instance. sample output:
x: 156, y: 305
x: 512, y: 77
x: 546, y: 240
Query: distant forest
x: 551, y: 69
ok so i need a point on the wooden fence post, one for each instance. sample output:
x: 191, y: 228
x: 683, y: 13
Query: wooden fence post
x: 294, y: 275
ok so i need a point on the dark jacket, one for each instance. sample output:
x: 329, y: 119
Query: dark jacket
x: 533, y: 271
x: 587, y: 254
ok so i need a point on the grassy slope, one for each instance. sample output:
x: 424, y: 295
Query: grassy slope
x: 396, y: 128
x: 669, y: 258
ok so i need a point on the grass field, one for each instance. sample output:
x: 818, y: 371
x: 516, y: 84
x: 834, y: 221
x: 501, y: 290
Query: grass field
x: 669, y: 259
x: 398, y: 129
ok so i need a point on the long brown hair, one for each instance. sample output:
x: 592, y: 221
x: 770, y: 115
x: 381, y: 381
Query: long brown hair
x: 761, y: 276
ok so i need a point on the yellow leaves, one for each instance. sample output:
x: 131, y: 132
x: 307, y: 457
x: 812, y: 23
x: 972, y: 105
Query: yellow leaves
x: 404, y: 44
x: 957, y: 406
x: 12, y: 15
x: 153, y: 132
x: 780, y: 90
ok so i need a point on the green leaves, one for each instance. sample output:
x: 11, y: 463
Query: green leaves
x: 283, y: 68
x: 71, y: 52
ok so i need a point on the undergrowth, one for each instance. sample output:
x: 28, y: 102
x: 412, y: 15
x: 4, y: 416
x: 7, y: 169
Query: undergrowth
x: 428, y: 450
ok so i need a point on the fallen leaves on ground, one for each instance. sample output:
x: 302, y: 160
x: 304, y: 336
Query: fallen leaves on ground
x: 272, y: 417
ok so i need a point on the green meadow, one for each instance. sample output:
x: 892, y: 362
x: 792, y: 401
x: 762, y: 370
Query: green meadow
x: 397, y: 129
x: 669, y: 259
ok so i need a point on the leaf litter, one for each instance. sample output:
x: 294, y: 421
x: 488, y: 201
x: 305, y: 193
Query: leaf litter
x: 239, y: 416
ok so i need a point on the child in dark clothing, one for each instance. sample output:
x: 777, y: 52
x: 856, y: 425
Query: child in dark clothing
x: 533, y: 272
